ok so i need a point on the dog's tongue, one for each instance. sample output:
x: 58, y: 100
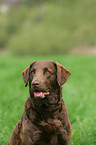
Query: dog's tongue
x: 40, y: 94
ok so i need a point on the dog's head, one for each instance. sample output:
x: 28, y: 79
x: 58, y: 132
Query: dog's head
x: 44, y: 77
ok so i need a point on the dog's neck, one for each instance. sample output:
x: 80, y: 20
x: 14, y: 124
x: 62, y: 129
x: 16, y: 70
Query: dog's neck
x: 51, y: 102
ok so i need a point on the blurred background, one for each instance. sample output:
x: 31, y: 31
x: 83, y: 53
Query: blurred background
x: 44, y: 27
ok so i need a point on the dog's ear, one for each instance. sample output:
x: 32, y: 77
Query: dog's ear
x: 62, y: 74
x: 25, y: 75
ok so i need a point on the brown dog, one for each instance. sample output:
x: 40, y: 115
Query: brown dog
x: 45, y: 119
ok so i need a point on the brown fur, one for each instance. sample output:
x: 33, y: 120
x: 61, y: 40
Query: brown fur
x: 45, y: 121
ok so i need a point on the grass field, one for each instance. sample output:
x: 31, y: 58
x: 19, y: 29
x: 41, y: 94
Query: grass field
x: 79, y: 94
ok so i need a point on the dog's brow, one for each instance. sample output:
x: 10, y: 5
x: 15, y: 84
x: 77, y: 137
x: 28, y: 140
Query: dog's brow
x: 32, y: 68
x: 49, y: 69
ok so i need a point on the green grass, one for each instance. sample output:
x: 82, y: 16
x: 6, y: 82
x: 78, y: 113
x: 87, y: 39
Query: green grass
x: 79, y: 94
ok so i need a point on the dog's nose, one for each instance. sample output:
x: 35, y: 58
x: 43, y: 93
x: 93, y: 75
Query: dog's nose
x: 35, y: 84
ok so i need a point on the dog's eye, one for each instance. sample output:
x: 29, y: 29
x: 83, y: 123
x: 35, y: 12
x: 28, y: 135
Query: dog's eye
x: 47, y: 71
x: 33, y: 71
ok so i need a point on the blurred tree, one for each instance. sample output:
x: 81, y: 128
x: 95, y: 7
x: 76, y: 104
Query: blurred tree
x: 48, y: 26
x: 31, y: 3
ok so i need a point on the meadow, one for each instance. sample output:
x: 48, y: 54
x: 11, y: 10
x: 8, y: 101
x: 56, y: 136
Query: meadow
x: 79, y: 94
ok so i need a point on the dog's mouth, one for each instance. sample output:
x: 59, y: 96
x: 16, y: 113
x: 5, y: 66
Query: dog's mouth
x: 41, y: 94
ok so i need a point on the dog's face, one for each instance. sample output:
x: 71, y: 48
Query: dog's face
x: 44, y: 77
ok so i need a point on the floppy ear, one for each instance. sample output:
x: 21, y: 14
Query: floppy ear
x: 25, y: 75
x: 62, y: 74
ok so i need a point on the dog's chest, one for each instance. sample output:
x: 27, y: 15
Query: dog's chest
x: 39, y: 132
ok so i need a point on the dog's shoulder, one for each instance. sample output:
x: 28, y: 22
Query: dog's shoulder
x: 27, y: 104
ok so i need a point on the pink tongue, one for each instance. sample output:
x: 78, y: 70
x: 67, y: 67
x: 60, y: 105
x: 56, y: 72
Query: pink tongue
x: 39, y: 94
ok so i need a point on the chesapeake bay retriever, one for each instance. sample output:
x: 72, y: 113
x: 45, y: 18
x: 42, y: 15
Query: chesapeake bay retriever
x: 45, y: 119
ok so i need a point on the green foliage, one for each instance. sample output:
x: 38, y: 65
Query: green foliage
x: 3, y: 32
x: 79, y: 94
x: 48, y: 27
